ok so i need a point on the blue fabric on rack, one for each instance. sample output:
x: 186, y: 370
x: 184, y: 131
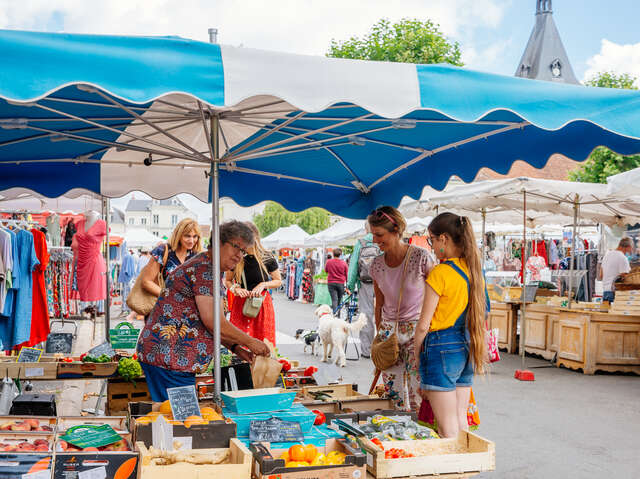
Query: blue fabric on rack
x: 128, y: 270
x: 11, y: 293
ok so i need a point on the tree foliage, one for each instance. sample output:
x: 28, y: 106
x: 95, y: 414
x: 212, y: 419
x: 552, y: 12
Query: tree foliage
x: 604, y: 162
x: 276, y: 216
x: 408, y: 41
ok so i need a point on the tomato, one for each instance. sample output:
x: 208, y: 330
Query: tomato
x: 310, y: 453
x: 286, y: 365
x: 320, y: 417
x: 310, y: 371
x: 297, y: 453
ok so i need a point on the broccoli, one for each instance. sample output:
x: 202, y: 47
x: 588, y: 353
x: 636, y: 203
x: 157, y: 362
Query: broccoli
x: 129, y: 369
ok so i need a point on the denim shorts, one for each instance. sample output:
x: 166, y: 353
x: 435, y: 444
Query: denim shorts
x: 445, y: 362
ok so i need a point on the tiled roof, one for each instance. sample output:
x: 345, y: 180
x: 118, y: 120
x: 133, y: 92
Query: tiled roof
x: 557, y: 168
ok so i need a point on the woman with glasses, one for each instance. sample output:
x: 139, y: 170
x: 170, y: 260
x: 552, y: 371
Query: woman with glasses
x: 254, y: 275
x: 450, y: 336
x: 177, y: 340
x: 399, y: 277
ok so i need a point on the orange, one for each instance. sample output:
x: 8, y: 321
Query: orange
x: 297, y: 453
x: 165, y: 408
x: 285, y: 456
x: 310, y: 452
x: 207, y: 410
x: 194, y: 420
x: 175, y: 423
x: 144, y: 420
x: 154, y: 414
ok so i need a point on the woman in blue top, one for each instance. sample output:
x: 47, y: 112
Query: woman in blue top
x: 185, y: 242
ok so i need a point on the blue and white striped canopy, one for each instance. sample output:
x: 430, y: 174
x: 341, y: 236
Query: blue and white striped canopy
x: 85, y: 111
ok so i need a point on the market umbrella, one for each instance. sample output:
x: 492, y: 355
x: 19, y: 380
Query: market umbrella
x: 163, y: 115
x: 286, y: 237
x: 140, y: 238
x: 344, y: 230
x: 624, y: 184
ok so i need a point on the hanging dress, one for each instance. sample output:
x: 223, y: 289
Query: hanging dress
x: 90, y: 268
x: 39, y: 309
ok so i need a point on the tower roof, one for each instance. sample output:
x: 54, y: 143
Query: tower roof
x: 544, y: 57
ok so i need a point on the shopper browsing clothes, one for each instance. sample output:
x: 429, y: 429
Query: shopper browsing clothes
x: 615, y: 263
x: 399, y: 276
x: 252, y: 307
x: 337, y: 271
x: 177, y: 340
x: 364, y: 252
x: 450, y: 336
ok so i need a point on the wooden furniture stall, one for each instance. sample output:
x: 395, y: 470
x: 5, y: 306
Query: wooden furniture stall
x: 504, y: 316
x: 542, y: 330
x: 595, y: 341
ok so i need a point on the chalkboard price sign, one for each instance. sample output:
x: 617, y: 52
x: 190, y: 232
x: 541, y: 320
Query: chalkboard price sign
x: 59, y: 343
x: 184, y: 402
x: 100, y: 349
x: 29, y: 355
x: 275, y: 430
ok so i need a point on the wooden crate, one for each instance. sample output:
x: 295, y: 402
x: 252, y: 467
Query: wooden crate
x: 86, y: 370
x: 120, y: 393
x: 341, y: 392
x: 468, y: 453
x: 238, y: 467
x: 46, y: 368
x: 118, y: 423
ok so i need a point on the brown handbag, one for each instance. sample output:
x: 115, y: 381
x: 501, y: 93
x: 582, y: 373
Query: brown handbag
x: 385, y: 352
x: 140, y: 300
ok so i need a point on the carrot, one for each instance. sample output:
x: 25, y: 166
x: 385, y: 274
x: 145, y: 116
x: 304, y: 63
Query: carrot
x: 126, y: 468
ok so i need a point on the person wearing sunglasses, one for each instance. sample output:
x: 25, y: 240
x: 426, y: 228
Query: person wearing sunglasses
x: 450, y: 336
x: 176, y: 342
x: 399, y: 277
x: 253, y: 277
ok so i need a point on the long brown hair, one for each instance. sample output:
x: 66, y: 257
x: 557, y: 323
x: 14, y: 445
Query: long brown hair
x: 259, y: 252
x: 459, y: 229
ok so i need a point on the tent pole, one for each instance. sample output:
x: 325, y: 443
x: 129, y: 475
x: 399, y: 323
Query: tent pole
x: 573, y: 247
x: 107, y: 303
x: 215, y: 251
x: 524, y: 277
x: 484, y: 238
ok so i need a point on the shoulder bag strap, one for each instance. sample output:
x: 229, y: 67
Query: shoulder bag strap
x: 404, y: 272
x: 244, y: 279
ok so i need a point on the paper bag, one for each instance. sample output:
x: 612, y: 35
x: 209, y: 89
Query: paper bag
x: 265, y: 371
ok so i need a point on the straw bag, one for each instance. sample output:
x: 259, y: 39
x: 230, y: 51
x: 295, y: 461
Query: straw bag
x: 139, y: 299
x: 252, y: 306
x: 385, y: 352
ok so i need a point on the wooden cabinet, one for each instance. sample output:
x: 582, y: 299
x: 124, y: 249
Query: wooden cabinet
x: 504, y: 317
x: 541, y: 330
x: 593, y: 341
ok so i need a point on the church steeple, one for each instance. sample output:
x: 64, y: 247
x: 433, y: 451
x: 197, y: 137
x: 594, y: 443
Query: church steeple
x: 545, y: 58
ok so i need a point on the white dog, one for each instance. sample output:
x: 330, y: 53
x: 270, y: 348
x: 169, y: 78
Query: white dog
x: 334, y: 332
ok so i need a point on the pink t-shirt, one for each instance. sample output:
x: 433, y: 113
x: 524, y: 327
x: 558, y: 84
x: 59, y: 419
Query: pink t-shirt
x: 389, y: 279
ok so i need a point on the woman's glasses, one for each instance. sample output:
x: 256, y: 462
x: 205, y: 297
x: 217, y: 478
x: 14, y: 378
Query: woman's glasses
x: 238, y: 247
x: 378, y: 213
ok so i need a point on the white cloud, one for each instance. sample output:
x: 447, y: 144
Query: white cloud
x: 299, y: 26
x: 615, y: 58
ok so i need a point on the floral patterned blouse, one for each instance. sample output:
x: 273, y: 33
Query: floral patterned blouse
x: 174, y: 337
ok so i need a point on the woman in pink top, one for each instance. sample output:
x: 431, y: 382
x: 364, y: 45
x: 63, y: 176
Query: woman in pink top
x: 400, y: 267
x: 337, y: 270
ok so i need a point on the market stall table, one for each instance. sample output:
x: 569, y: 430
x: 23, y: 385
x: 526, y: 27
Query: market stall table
x: 542, y: 333
x: 504, y: 317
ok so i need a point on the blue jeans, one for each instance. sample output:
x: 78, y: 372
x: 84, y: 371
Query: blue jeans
x: 608, y: 296
x: 445, y: 362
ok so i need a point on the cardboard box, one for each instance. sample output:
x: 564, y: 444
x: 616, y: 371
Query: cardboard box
x: 258, y: 400
x: 216, y: 434
x: 16, y: 465
x: 49, y: 423
x: 267, y: 463
x: 296, y: 413
x: 468, y: 453
x: 10, y: 440
x: 86, y: 370
x: 118, y: 423
x: 47, y: 368
x: 238, y: 467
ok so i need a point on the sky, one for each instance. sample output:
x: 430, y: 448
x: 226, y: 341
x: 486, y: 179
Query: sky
x: 597, y: 35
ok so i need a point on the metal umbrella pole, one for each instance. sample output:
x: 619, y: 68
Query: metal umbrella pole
x: 107, y: 302
x: 573, y: 247
x: 524, y: 277
x: 484, y: 238
x: 215, y: 249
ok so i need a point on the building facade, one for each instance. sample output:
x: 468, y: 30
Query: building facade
x: 159, y: 217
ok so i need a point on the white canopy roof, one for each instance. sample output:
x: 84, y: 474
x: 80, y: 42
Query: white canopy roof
x: 139, y: 238
x: 624, y: 184
x: 287, y: 237
x: 344, y: 231
x: 548, y: 202
x: 25, y: 200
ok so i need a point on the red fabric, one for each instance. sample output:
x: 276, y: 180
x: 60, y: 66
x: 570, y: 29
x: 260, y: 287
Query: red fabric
x: 39, y: 309
x: 540, y: 249
x: 337, y: 271
x: 262, y: 326
x: 90, y: 266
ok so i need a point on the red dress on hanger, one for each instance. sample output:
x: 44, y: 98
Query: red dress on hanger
x: 39, y: 310
x: 90, y: 266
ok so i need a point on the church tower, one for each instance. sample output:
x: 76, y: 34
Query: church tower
x: 544, y: 57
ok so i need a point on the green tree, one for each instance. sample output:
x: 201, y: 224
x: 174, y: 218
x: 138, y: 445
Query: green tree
x: 408, y: 41
x: 276, y: 216
x: 604, y: 162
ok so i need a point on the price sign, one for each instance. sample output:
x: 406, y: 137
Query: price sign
x: 124, y: 336
x: 275, y: 430
x: 59, y: 343
x: 90, y: 435
x: 184, y: 402
x: 29, y: 355
x: 99, y: 350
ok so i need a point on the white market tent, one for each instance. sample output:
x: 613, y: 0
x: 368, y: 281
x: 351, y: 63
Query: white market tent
x: 344, y: 231
x: 287, y: 237
x: 76, y: 201
x: 624, y: 184
x: 139, y: 238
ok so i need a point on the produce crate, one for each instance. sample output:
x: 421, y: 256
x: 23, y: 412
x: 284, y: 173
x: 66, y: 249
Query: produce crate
x: 339, y: 392
x: 322, y: 406
x: 468, y: 453
x: 46, y: 368
x: 15, y: 442
x: 107, y: 464
x: 296, y: 413
x: 266, y: 466
x: 215, y: 434
x: 86, y: 370
x: 366, y: 403
x: 118, y: 423
x: 257, y: 400
x: 363, y: 416
x: 45, y: 424
x: 22, y: 464
x: 121, y: 392
x: 237, y: 467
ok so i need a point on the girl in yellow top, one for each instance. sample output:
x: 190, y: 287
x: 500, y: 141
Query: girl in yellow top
x: 449, y: 338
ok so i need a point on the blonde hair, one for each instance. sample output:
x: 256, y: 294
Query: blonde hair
x: 187, y: 225
x: 459, y: 229
x: 257, y: 250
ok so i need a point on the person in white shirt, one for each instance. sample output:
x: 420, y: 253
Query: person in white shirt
x: 615, y: 263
